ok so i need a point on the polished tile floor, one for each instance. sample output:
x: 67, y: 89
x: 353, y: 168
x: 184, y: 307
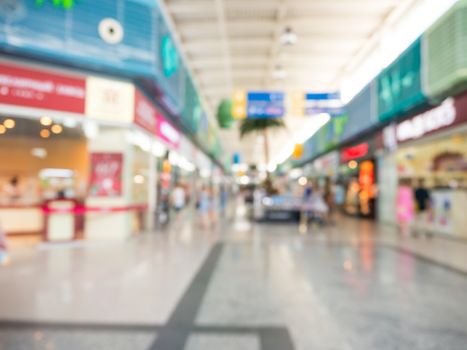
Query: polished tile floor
x: 241, y: 286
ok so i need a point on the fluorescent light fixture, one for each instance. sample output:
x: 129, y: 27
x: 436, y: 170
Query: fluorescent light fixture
x: 70, y: 123
x: 53, y: 172
x: 205, y: 173
x: 288, y: 37
x: 39, y: 152
x: 295, y: 173
x: 91, y: 129
x: 138, y: 179
x: 244, y: 180
x: 158, y: 149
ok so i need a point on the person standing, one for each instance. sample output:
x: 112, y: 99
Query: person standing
x: 423, y: 201
x: 405, y: 207
x: 204, y: 207
x: 178, y: 198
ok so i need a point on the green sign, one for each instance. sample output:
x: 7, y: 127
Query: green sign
x: 399, y: 86
x: 66, y: 4
x: 170, y: 60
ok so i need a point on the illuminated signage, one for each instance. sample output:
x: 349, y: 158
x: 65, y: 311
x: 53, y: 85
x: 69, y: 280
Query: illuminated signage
x: 435, y: 119
x: 355, y: 152
x: 66, y: 4
x: 170, y: 59
x: 258, y: 105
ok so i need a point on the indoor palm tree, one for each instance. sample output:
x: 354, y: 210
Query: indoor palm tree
x: 261, y: 126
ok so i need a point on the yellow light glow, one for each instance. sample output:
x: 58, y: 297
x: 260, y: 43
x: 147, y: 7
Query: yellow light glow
x: 46, y: 121
x: 302, y: 181
x: 2, y: 130
x: 9, y: 123
x: 353, y: 164
x: 57, y: 129
x: 45, y: 134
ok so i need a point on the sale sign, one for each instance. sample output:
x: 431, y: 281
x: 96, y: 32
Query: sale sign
x: 146, y: 115
x: 29, y: 87
x: 106, y: 175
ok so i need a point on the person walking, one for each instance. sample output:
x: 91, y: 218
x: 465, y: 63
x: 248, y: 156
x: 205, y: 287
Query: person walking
x: 423, y: 201
x: 405, y: 207
x: 204, y: 207
x: 178, y: 198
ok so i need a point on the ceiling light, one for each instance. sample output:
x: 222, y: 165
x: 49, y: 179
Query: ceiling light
x: 288, y: 37
x: 138, y: 179
x: 38, y: 152
x: 2, y: 129
x: 57, y: 129
x: 9, y: 123
x: 279, y: 73
x: 45, y: 134
x: 70, y: 123
x: 46, y: 121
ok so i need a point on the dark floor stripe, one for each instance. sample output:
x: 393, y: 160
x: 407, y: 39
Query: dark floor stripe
x: 275, y: 339
x: 174, y: 335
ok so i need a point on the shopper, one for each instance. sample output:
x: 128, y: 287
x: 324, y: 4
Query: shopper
x: 423, y: 201
x: 329, y: 200
x: 306, y: 209
x: 223, y: 197
x: 204, y: 207
x: 318, y: 203
x: 405, y: 207
x: 178, y: 198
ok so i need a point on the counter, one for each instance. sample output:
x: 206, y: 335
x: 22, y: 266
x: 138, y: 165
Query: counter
x: 15, y: 219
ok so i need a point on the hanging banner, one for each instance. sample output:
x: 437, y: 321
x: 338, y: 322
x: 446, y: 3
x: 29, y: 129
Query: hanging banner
x: 27, y: 87
x: 167, y: 132
x: 145, y: 113
x: 258, y: 105
x: 106, y: 175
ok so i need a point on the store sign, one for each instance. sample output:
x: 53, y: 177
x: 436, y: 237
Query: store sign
x: 106, y: 175
x: 170, y: 60
x: 329, y: 102
x: 145, y: 113
x: 110, y: 100
x: 27, y: 87
x: 66, y: 4
x: 426, y: 123
x: 258, y: 105
x: 355, y: 152
x: 167, y: 132
x: 399, y: 86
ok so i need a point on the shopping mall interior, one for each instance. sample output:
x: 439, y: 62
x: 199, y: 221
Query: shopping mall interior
x: 233, y: 174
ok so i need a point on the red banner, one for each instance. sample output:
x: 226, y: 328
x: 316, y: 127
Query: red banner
x: 106, y: 175
x: 29, y: 87
x: 146, y: 115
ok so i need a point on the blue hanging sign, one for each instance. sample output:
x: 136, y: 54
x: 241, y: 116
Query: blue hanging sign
x: 325, y: 102
x: 263, y: 105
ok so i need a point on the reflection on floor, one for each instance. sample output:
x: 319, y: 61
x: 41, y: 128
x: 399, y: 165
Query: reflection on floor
x: 240, y: 286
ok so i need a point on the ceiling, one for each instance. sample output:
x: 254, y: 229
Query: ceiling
x: 235, y: 44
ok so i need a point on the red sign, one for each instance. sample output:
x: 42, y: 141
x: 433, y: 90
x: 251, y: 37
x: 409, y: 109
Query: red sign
x: 32, y: 88
x: 355, y: 152
x: 106, y: 175
x: 167, y: 132
x: 146, y: 115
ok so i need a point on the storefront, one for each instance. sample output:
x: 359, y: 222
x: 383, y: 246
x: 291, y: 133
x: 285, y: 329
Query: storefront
x: 79, y: 151
x: 357, y: 173
x: 431, y: 146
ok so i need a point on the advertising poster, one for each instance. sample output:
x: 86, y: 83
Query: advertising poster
x: 106, y: 175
